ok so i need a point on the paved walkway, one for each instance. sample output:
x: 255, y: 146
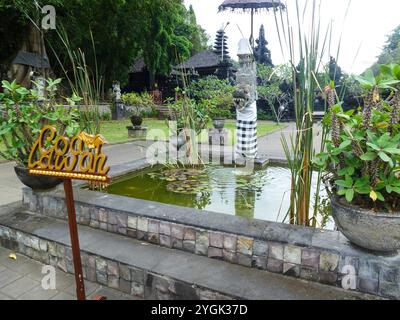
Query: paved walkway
x: 21, y: 279
x: 271, y: 145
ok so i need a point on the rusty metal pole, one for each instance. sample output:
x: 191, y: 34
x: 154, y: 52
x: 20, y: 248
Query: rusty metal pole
x: 73, y: 231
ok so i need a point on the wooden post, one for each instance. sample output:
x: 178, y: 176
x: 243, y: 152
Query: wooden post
x: 252, y: 29
x: 73, y: 231
x: 93, y: 143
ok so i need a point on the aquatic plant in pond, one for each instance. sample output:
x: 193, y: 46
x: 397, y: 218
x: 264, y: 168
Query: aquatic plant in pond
x: 307, y: 48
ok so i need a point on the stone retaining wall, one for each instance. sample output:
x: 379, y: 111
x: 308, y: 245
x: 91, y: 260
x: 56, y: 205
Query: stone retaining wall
x: 106, y: 108
x: 116, y: 275
x: 306, y: 253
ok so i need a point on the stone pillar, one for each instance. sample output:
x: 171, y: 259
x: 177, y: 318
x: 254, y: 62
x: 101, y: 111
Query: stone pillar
x: 245, y: 98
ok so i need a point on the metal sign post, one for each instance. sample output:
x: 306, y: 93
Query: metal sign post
x: 77, y: 158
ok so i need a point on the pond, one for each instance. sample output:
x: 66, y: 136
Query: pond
x: 263, y: 195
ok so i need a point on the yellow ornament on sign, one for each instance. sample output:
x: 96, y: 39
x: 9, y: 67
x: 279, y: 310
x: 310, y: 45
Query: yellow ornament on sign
x: 80, y: 157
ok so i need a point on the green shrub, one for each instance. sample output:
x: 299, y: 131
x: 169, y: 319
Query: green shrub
x: 139, y: 102
x: 215, y: 96
x: 22, y: 118
x: 106, y: 116
x: 188, y: 111
x: 143, y: 100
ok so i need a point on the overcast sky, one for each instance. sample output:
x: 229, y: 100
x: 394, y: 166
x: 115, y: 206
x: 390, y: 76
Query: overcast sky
x: 366, y: 27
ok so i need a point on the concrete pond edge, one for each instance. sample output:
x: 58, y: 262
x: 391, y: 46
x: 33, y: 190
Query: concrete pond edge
x: 312, y: 254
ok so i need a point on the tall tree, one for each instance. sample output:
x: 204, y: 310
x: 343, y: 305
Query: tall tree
x: 162, y: 31
x: 262, y: 53
x: 334, y: 71
x: 391, y: 47
x: 390, y: 52
x: 163, y: 44
x: 197, y: 35
x: 105, y: 30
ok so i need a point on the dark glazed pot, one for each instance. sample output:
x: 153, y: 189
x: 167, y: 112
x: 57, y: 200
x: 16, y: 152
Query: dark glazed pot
x: 136, y: 121
x: 36, y: 183
x: 219, y: 124
x: 367, y: 229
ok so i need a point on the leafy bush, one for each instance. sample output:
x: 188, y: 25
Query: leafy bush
x: 269, y: 87
x: 214, y: 95
x: 363, y: 154
x: 139, y: 102
x: 22, y: 117
x: 143, y: 100
x: 209, y: 88
x: 188, y: 111
x: 265, y: 116
x: 106, y: 116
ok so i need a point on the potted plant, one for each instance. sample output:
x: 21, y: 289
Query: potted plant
x: 362, y: 161
x: 137, y: 105
x: 22, y: 116
x: 219, y: 109
x: 134, y: 103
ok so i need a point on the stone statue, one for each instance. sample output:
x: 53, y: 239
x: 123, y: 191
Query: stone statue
x: 118, y: 110
x: 116, y: 91
x: 245, y: 99
x: 39, y: 84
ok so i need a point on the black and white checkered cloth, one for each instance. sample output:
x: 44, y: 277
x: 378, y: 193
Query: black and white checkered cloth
x: 246, y: 132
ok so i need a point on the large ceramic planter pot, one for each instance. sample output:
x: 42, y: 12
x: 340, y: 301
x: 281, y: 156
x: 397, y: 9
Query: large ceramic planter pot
x: 36, y: 183
x: 367, y: 229
x: 136, y: 121
x: 219, y: 123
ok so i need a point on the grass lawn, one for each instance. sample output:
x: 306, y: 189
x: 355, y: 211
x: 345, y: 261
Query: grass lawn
x: 116, y: 132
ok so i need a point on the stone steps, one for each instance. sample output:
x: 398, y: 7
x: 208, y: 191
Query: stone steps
x: 305, y: 253
x: 163, y: 112
x: 150, y: 271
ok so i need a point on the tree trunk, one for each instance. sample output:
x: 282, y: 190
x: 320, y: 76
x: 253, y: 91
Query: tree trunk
x: 152, y: 80
x: 34, y: 43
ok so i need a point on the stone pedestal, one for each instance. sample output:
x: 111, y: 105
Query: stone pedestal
x: 218, y: 137
x: 118, y: 111
x: 138, y: 132
x: 258, y: 163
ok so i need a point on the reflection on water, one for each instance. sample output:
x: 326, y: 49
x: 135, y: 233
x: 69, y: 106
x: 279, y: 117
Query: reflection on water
x: 263, y: 195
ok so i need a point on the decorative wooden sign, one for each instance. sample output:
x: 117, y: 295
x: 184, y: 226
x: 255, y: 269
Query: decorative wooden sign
x: 81, y: 158
x: 78, y: 158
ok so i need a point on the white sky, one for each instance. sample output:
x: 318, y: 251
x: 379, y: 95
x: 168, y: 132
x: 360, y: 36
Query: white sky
x: 366, y: 27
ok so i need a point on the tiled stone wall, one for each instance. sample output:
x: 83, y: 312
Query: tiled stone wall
x: 374, y: 274
x: 113, y: 274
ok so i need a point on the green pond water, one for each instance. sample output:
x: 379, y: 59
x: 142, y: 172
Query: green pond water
x: 263, y: 195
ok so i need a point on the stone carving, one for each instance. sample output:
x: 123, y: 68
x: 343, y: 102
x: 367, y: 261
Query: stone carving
x: 118, y: 111
x: 116, y: 91
x: 242, y: 97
